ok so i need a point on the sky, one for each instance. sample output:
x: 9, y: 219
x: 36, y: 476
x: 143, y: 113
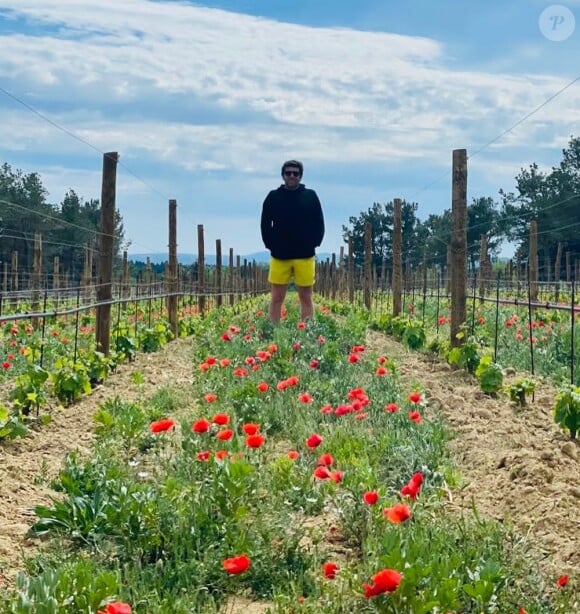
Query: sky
x: 203, y: 101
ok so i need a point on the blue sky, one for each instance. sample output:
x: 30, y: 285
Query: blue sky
x: 204, y: 100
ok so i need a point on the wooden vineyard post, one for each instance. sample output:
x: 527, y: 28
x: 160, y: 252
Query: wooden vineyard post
x: 200, y: 270
x: 368, y: 264
x: 533, y: 261
x: 482, y: 266
x: 397, y: 257
x: 350, y: 270
x: 172, y: 270
x: 231, y: 277
x: 458, y: 245
x: 36, y: 275
x: 107, y: 245
x: 218, y: 272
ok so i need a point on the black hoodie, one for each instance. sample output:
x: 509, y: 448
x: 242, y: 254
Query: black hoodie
x: 292, y: 223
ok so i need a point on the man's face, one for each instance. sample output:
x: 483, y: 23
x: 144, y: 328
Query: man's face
x: 291, y: 176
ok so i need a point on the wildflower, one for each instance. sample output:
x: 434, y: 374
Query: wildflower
x: 226, y: 337
x: 293, y: 380
x: 413, y: 487
x: 415, y: 416
x: 296, y: 347
x: 200, y: 426
x: 415, y: 397
x: 353, y: 358
x: 381, y: 371
x: 272, y: 348
x: 255, y: 441
x: 382, y: 360
x: 329, y: 570
x: 118, y: 607
x: 358, y: 348
x: 362, y: 416
x: 263, y: 387
x: 371, y: 497
x: 239, y: 372
x: 321, y: 340
x: 342, y: 410
x: 204, y: 367
x: 161, y: 426
x: 249, y: 360
x: 522, y: 610
x: 391, y: 408
x: 326, y: 459
x: 305, y: 397
x: 250, y: 428
x: 281, y: 386
x: 293, y: 455
x: 398, y: 513
x: 225, y: 362
x: 225, y: 435
x: 236, y: 564
x: 210, y: 397
x: 314, y: 440
x: 314, y: 363
x: 202, y: 456
x: 321, y: 473
x: 385, y: 581
x: 211, y: 360
x: 301, y: 325
x: 221, y: 454
x: 562, y: 581
x: 221, y: 419
x: 6, y: 365
x: 327, y: 409
x: 336, y: 476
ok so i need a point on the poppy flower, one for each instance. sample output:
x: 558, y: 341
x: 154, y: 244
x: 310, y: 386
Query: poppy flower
x: 326, y: 459
x: 385, y: 581
x: 225, y: 435
x: 281, y: 386
x: 522, y: 610
x: 272, y: 348
x: 239, y: 372
x: 250, y: 428
x: 415, y: 416
x: 327, y: 409
x: 321, y: 340
x: 381, y: 371
x: 314, y: 363
x: 210, y: 397
x: 413, y: 487
x: 118, y: 607
x: 382, y: 360
x: 202, y: 456
x: 336, y: 476
x: 398, y: 513
x: 352, y: 358
x: 225, y: 362
x: 221, y: 454
x: 160, y: 426
x: 391, y: 408
x: 211, y: 360
x: 249, y: 360
x: 255, y: 441
x: 293, y: 380
x: 562, y: 581
x: 221, y: 419
x: 305, y: 397
x: 343, y: 410
x: 415, y: 397
x: 262, y: 387
x: 314, y: 440
x: 293, y: 455
x: 201, y: 426
x: 296, y: 346
x: 371, y: 497
x: 329, y: 570
x: 301, y: 325
x: 236, y: 564
x: 6, y: 365
x: 226, y: 337
x: 321, y: 473
x: 362, y: 416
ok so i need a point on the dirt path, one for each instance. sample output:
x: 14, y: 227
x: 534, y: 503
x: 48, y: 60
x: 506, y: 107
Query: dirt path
x: 516, y: 465
x: 26, y: 465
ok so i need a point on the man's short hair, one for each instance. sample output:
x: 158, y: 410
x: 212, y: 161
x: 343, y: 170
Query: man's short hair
x: 293, y: 163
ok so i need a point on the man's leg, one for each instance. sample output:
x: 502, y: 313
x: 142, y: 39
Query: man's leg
x: 278, y: 294
x: 306, y: 304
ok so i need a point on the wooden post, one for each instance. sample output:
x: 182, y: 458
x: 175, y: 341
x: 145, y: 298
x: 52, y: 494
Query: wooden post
x: 56, y: 280
x: 482, y: 266
x: 200, y: 269
x: 172, y: 270
x: 231, y: 276
x: 341, y: 273
x: 218, y: 272
x: 533, y: 261
x: 350, y: 270
x: 36, y: 275
x: 107, y: 246
x: 458, y: 245
x: 397, y: 257
x: 368, y: 274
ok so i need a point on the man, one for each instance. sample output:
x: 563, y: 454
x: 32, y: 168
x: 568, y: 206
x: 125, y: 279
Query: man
x: 292, y: 227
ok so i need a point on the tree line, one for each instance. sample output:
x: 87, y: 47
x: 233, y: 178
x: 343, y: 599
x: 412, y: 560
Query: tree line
x: 552, y: 198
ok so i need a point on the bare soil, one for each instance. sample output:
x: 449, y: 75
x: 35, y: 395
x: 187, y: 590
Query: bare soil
x: 516, y: 465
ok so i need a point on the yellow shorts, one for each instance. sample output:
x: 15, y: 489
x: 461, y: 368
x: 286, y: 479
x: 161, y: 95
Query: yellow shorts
x: 301, y: 269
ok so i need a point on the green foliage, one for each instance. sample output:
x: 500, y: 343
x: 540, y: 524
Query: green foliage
x: 467, y: 355
x: 70, y: 380
x: 153, y: 338
x: 489, y: 375
x: 10, y: 425
x: 567, y: 409
x: 519, y: 389
x: 29, y: 391
x: 97, y: 366
x: 414, y: 336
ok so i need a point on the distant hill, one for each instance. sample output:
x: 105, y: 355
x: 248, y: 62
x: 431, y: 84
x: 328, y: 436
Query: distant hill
x: 160, y: 257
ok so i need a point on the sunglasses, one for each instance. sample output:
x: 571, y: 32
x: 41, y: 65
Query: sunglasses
x: 292, y: 173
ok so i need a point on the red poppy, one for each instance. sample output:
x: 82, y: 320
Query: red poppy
x: 262, y: 387
x: 210, y: 397
x: 296, y: 346
x: 293, y: 455
x: 201, y: 426
x: 225, y: 362
x: 381, y: 371
x: 522, y: 610
x: 326, y: 459
x: 321, y: 339
x: 371, y: 497
x: 255, y: 441
x: 281, y: 386
x: 398, y: 513
x: 314, y: 363
x: 329, y: 570
x: 221, y: 454
x: 327, y: 409
x: 221, y: 419
x: 415, y: 416
x: 301, y: 325
x: 202, y: 456
x: 358, y: 348
x: 382, y: 360
x: 415, y: 397
x: 160, y: 426
x: 385, y: 581
x: 342, y: 410
x: 211, y: 360
x: 293, y: 380
x: 225, y: 435
x: 353, y: 358
x: 314, y: 440
x: 305, y: 397
x: 6, y: 365
x: 272, y: 348
x: 226, y: 337
x: 322, y: 473
x: 336, y: 476
x: 118, y: 607
x: 239, y: 372
x: 392, y: 408
x: 362, y: 416
x: 236, y: 564
x: 562, y: 581
x: 249, y: 360
x: 250, y: 428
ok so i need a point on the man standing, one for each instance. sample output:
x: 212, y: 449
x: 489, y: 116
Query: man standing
x: 292, y: 227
